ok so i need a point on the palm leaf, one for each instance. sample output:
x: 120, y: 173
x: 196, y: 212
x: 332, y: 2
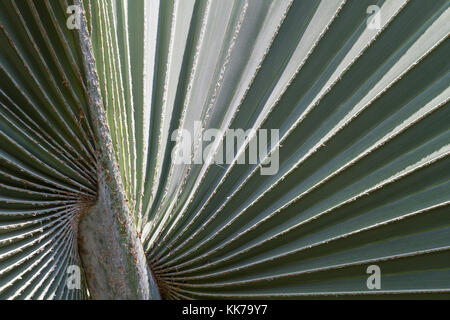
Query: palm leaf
x: 363, y: 119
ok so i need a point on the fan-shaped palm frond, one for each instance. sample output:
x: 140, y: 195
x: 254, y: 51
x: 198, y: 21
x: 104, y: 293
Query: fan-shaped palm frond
x: 362, y: 170
x: 47, y: 157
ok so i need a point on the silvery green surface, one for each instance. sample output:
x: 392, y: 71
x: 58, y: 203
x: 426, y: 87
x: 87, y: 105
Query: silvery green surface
x: 362, y: 112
